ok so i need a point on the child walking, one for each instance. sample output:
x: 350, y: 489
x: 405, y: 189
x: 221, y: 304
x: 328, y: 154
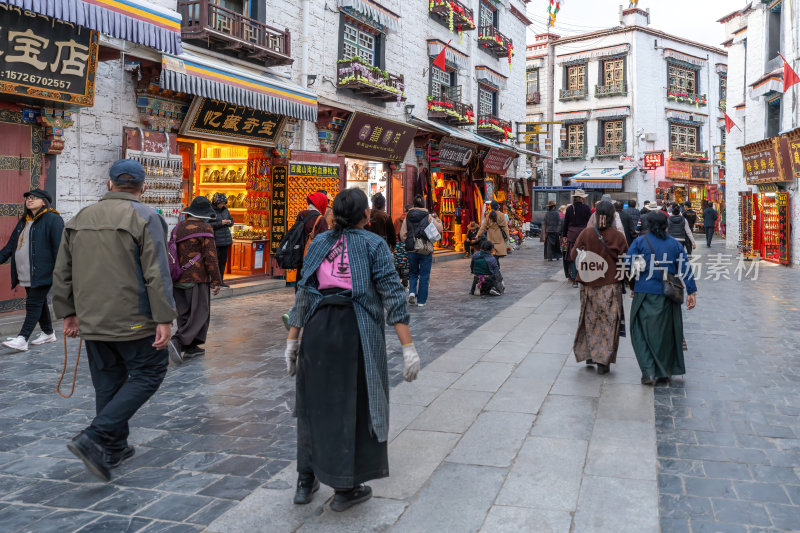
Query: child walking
x: 485, y: 270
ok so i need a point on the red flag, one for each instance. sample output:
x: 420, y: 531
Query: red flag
x: 790, y: 77
x: 729, y: 123
x: 439, y: 61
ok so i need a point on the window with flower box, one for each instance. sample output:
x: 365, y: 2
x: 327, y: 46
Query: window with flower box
x: 612, y: 136
x: 612, y: 78
x: 440, y: 81
x: 574, y: 82
x: 532, y: 79
x: 682, y: 80
x: 575, y: 145
x: 487, y: 101
x: 359, y: 43
x: 487, y: 15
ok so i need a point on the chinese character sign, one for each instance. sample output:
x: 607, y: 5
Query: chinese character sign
x: 762, y: 162
x: 45, y: 58
x: 279, y: 206
x: 653, y: 160
x: 225, y: 121
x: 373, y: 138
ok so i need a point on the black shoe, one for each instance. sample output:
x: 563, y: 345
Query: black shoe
x: 346, y: 499
x: 174, y: 348
x: 662, y: 380
x: 225, y: 285
x: 114, y: 459
x: 574, y: 284
x: 91, y: 454
x: 305, y: 491
x: 193, y: 351
x: 602, y: 369
x: 648, y: 380
x: 589, y: 361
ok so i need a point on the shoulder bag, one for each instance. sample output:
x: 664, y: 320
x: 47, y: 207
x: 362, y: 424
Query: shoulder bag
x: 673, y: 285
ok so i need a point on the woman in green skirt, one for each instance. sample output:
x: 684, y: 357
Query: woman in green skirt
x: 656, y: 321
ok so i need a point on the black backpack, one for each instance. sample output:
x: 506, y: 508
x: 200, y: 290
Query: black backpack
x: 291, y: 250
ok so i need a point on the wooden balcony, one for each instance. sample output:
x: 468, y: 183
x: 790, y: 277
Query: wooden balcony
x: 369, y: 80
x: 609, y: 150
x: 493, y: 127
x: 463, y: 17
x: 220, y: 29
x: 612, y: 89
x: 533, y: 98
x: 493, y: 41
x: 451, y: 110
x: 572, y: 153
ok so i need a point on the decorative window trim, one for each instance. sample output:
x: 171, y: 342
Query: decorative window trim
x: 373, y: 10
x: 611, y: 113
x: 573, y: 116
x: 452, y: 55
x: 695, y: 62
x: 484, y: 73
x: 609, y: 51
x: 697, y: 119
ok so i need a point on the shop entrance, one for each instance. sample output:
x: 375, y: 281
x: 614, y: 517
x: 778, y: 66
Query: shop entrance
x: 369, y: 176
x: 765, y: 226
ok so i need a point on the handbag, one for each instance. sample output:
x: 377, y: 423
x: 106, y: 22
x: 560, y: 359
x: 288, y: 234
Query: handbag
x: 432, y: 232
x: 673, y: 285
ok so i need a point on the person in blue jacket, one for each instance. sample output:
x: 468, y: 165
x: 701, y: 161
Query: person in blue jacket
x: 32, y: 249
x: 656, y: 321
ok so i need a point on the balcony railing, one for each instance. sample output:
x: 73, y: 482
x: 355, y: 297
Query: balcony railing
x: 494, y: 42
x: 572, y: 153
x: 450, y: 108
x: 534, y: 97
x: 690, y: 155
x: 612, y: 89
x: 369, y: 80
x: 453, y: 14
x: 224, y: 30
x: 687, y: 98
x: 494, y: 127
x: 571, y: 94
x: 609, y: 150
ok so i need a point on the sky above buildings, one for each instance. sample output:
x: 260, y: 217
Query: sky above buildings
x: 691, y: 19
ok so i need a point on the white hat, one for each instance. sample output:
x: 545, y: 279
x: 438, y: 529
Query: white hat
x: 580, y: 193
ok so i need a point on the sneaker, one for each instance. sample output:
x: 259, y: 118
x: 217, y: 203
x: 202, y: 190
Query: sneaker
x: 17, y: 343
x: 420, y: 305
x: 305, y: 491
x: 92, y: 455
x: 114, y: 459
x: 494, y: 292
x: 412, y: 299
x: 346, y: 499
x: 174, y: 348
x: 44, y: 338
x: 193, y: 351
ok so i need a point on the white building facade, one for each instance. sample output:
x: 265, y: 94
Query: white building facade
x: 766, y: 121
x: 631, y: 90
x: 540, y: 100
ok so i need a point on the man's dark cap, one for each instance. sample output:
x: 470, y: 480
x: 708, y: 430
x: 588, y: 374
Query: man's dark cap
x: 131, y: 167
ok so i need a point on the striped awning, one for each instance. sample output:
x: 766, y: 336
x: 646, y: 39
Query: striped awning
x: 600, y: 178
x: 451, y: 54
x: 374, y: 10
x: 137, y: 21
x: 213, y: 78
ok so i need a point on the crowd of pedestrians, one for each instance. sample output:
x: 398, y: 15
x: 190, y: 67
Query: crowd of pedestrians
x: 354, y: 266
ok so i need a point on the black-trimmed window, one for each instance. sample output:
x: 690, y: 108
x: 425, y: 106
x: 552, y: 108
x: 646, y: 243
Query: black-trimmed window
x: 576, y: 77
x: 683, y: 138
x: 359, y: 39
x: 613, y: 71
x: 443, y: 82
x: 487, y: 100
x: 487, y: 15
x: 773, y: 117
x: 613, y: 135
x: 576, y: 136
x: 682, y: 79
x: 723, y: 91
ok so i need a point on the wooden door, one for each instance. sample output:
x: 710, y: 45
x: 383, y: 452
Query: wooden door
x: 20, y: 171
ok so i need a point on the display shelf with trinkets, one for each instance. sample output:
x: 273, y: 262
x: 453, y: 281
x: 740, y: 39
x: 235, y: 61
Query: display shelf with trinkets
x: 771, y: 228
x: 222, y: 169
x: 163, y: 178
x: 746, y: 246
x: 258, y: 201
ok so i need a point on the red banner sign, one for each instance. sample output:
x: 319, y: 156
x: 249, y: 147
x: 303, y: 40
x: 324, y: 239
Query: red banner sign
x: 653, y: 160
x: 497, y: 161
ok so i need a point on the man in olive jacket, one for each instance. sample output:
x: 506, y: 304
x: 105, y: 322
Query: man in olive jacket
x: 112, y: 286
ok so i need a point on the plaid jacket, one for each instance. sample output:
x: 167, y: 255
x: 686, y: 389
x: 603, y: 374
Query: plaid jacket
x: 375, y: 286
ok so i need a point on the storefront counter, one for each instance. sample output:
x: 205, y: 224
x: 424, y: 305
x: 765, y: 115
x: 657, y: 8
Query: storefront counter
x: 249, y: 257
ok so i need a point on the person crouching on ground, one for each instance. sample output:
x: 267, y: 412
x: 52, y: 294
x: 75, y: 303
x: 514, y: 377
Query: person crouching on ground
x: 200, y: 279
x: 347, y: 281
x: 32, y: 248
x: 485, y: 270
x: 597, y: 338
x: 112, y: 286
x: 471, y: 241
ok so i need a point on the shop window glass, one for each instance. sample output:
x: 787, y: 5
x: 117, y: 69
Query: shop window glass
x: 682, y: 80
x: 614, y: 71
x: 486, y: 101
x: 576, y: 77
x: 576, y: 136
x: 683, y: 138
x: 773, y: 118
x: 533, y: 82
x: 612, y: 133
x: 359, y: 43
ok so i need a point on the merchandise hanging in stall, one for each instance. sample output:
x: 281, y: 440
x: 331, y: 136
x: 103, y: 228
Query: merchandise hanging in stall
x: 163, y: 165
x: 449, y: 161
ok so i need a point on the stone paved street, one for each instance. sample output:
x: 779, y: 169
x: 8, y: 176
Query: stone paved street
x: 502, y: 431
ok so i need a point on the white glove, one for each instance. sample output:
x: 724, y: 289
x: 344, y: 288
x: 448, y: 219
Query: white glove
x: 411, y: 360
x: 292, y: 349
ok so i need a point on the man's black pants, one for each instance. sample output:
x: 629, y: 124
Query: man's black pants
x: 709, y: 234
x: 125, y: 375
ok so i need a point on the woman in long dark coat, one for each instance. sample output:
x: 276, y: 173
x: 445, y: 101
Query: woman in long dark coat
x: 347, y: 283
x: 656, y: 321
x: 551, y: 231
x: 575, y: 220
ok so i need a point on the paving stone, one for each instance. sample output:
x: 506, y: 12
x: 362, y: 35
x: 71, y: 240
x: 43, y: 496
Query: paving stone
x: 520, y: 396
x: 126, y: 501
x: 540, y: 367
x: 762, y: 492
x: 669, y: 484
x: 717, y: 469
x: 502, y: 519
x: 82, y: 497
x: 231, y: 488
x: 174, y: 507
x: 674, y: 525
x: 702, y: 526
x: 611, y: 457
x: 785, y: 517
x: 739, y: 512
x: 17, y: 517
x: 508, y: 352
x: 115, y: 524
x: 709, y: 488
x: 409, y: 469
x: 453, y: 412
x: 400, y: 416
x: 376, y: 514
x: 635, y: 505
x: 684, y: 507
x: 569, y: 417
x: 483, y: 376
x: 493, y: 440
x: 457, y: 498
x: 59, y: 521
x: 427, y: 387
x: 578, y: 379
x: 188, y: 482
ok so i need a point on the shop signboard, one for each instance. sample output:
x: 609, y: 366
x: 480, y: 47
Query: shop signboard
x: 792, y: 144
x: 45, y: 58
x: 280, y: 193
x: 653, y: 160
x: 498, y: 161
x: 373, y: 138
x: 701, y: 172
x: 214, y: 119
x: 314, y: 169
x: 762, y: 162
x: 455, y: 155
x: 679, y: 170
